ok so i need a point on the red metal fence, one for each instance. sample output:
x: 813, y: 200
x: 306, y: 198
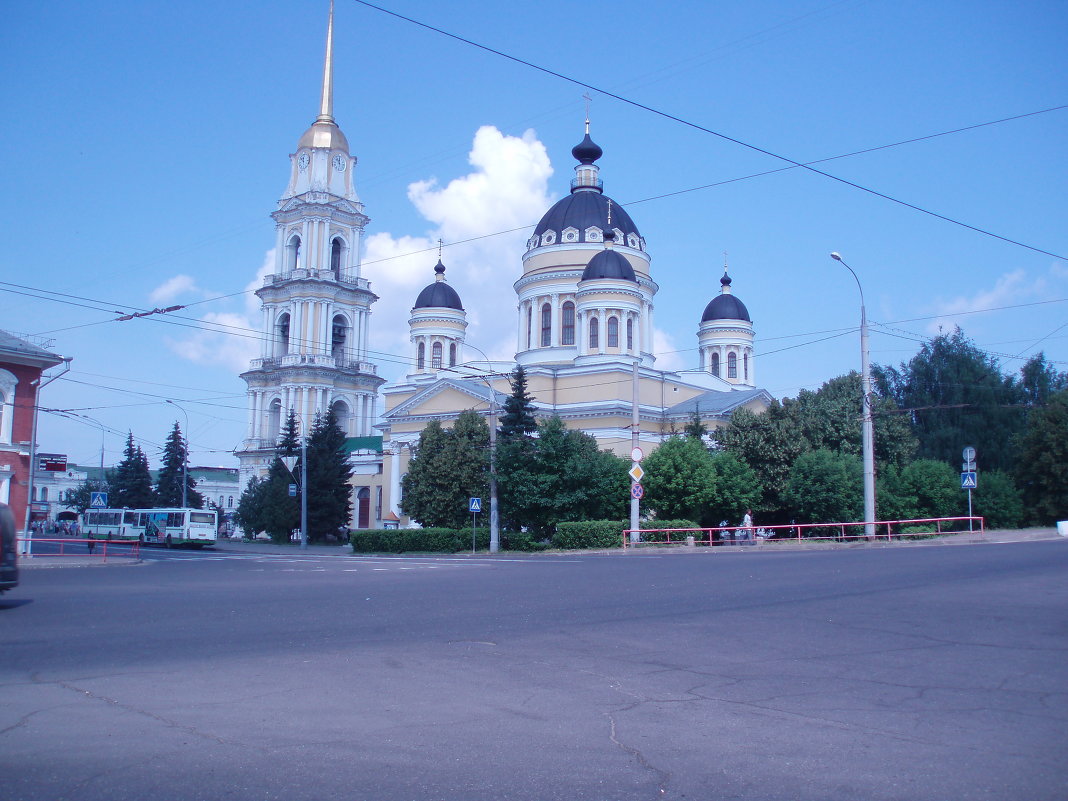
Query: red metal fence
x: 804, y: 532
x: 67, y: 546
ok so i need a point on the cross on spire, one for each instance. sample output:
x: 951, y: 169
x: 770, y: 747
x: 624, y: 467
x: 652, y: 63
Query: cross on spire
x: 588, y: 99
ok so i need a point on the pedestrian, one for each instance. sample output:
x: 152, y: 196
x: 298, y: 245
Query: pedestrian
x: 89, y: 541
x: 747, y: 526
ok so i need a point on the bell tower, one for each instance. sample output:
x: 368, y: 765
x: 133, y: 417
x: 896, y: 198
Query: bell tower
x: 316, y: 306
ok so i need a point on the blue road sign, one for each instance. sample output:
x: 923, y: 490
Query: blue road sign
x: 968, y: 480
x: 98, y: 500
x: 637, y: 491
x: 474, y: 505
x: 292, y: 490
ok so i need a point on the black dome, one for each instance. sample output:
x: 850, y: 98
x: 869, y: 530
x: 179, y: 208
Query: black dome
x: 609, y: 264
x: 587, y: 151
x: 725, y: 307
x: 438, y: 295
x: 581, y: 210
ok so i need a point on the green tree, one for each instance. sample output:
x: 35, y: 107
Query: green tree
x: 562, y: 477
x: 997, y: 500
x: 80, y: 497
x: 935, y: 486
x: 329, y: 471
x: 1042, y: 459
x: 1039, y: 380
x: 737, y: 489
x: 450, y: 466
x: 957, y: 396
x: 249, y: 514
x: 130, y: 481
x: 518, y: 418
x: 825, y: 487
x: 695, y: 428
x: 767, y: 443
x: 680, y: 480
x: 289, y: 437
x: 173, y: 470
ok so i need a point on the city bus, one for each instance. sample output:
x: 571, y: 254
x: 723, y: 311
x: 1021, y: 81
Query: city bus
x: 169, y: 526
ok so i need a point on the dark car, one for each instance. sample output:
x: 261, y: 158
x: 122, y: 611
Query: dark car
x: 9, y: 560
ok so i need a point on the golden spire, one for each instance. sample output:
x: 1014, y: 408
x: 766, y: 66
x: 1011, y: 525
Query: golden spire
x: 326, y: 107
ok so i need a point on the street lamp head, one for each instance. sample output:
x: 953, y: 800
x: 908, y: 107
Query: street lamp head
x: 836, y: 255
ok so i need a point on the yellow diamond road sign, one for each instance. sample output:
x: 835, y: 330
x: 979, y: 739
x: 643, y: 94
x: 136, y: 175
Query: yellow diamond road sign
x: 636, y: 472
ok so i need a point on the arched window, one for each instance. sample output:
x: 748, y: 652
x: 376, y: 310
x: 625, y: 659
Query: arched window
x: 421, y: 362
x: 732, y: 365
x: 230, y: 502
x: 613, y: 332
x: 221, y: 500
x: 546, y: 325
x: 745, y: 366
x: 594, y: 333
x: 630, y: 334
x: 567, y: 324
x: 714, y: 367
x: 452, y: 355
x: 339, y: 332
x: 335, y: 257
x: 530, y: 314
x: 282, y: 331
x: 274, y: 420
x: 435, y: 358
x: 293, y: 253
x: 343, y: 415
x: 44, y: 493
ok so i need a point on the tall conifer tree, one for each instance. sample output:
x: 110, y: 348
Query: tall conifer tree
x: 175, y: 464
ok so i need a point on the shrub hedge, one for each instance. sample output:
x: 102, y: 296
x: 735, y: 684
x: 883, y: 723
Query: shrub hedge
x: 416, y: 540
x: 589, y: 534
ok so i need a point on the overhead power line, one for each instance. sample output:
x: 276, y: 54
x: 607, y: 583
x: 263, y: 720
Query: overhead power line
x: 704, y: 129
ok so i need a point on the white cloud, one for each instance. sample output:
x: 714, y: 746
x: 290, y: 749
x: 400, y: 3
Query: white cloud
x: 508, y: 188
x: 668, y: 356
x: 173, y: 288
x: 228, y: 339
x: 1011, y: 288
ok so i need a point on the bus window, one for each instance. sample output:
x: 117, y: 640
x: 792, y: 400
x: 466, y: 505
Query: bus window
x: 202, y: 517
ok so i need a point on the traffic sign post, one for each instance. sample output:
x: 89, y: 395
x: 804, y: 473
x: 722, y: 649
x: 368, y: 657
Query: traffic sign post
x: 969, y: 478
x: 98, y: 500
x: 474, y: 506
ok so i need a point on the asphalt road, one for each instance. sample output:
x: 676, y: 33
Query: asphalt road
x: 895, y: 673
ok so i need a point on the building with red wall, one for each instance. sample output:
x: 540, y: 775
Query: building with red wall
x: 21, y: 366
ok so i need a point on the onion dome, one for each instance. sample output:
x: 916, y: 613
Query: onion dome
x: 587, y: 151
x: 582, y: 215
x: 438, y: 295
x: 725, y: 306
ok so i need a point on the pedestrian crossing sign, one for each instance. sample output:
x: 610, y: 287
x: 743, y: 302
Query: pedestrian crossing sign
x: 968, y: 480
x: 474, y: 505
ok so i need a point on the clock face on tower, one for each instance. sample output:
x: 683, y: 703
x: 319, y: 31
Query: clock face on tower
x: 302, y: 161
x: 339, y: 163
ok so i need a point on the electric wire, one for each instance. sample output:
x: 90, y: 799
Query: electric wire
x: 704, y: 129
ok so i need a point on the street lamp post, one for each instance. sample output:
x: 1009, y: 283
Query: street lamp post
x: 867, y: 430
x: 185, y: 461
x: 495, y: 530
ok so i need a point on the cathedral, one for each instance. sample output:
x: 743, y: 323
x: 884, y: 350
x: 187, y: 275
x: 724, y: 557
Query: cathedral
x: 585, y: 297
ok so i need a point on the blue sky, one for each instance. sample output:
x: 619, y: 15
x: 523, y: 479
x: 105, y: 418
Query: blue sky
x: 145, y: 144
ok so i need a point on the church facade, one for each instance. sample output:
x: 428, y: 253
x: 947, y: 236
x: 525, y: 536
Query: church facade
x: 585, y: 297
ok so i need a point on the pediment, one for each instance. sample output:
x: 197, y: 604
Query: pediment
x: 447, y: 396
